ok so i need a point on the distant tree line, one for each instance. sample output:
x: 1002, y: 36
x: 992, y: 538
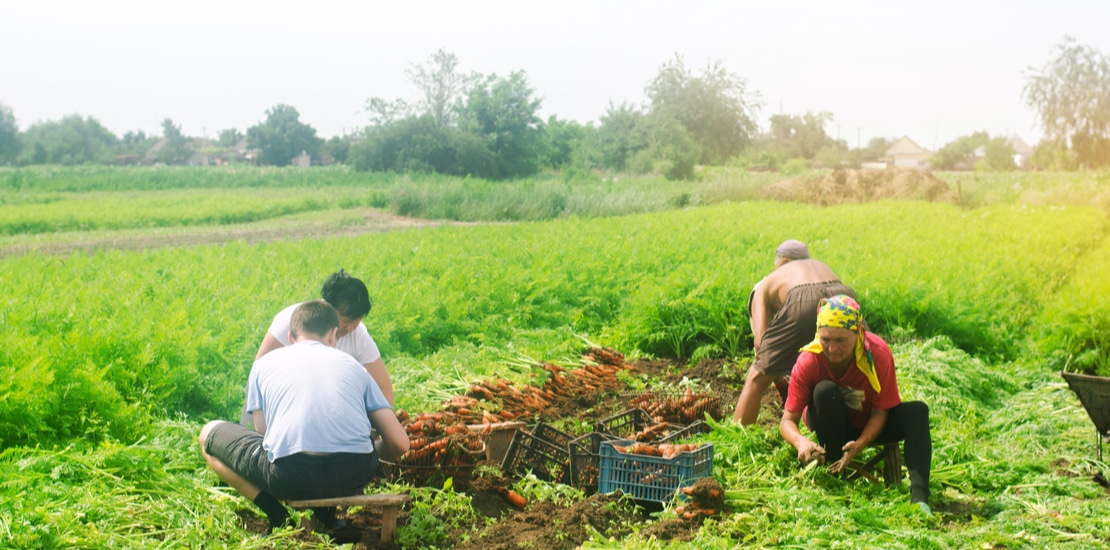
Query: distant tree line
x: 488, y: 126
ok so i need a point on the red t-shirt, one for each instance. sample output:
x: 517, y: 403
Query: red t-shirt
x: 812, y: 368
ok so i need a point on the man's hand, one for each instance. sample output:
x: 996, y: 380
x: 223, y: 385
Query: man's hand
x: 851, y: 449
x: 810, y: 451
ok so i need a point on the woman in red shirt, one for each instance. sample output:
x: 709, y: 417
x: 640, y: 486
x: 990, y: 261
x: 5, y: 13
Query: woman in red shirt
x: 843, y: 384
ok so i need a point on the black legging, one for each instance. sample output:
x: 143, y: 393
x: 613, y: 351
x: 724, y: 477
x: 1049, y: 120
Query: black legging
x: 909, y: 422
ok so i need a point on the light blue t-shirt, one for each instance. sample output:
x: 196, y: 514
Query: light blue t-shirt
x: 315, y: 399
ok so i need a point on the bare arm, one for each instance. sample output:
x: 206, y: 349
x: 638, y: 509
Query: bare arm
x: 259, y: 421
x: 760, y: 313
x: 852, y: 448
x: 394, y: 442
x: 807, y: 449
x: 269, y: 343
x: 377, y: 371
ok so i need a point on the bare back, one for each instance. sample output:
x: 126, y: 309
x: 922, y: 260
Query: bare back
x: 770, y: 294
x: 777, y: 285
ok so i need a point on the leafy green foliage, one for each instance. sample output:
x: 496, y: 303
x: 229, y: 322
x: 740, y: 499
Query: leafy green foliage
x: 417, y: 144
x: 283, y: 136
x: 1071, y: 92
x: 714, y: 106
x: 963, y: 152
x: 501, y: 112
x: 71, y: 140
x: 9, y: 135
x: 1074, y: 325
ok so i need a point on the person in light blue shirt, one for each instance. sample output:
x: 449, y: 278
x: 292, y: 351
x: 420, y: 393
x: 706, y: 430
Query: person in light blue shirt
x: 314, y: 408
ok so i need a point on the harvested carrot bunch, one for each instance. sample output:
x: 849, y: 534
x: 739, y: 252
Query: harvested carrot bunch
x: 706, y: 499
x: 664, y: 450
x: 689, y: 407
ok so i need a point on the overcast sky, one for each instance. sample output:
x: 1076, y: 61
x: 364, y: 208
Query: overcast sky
x: 931, y: 70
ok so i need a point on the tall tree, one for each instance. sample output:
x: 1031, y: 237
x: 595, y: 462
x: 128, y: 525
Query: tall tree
x: 714, y: 107
x: 176, y: 149
x: 621, y: 135
x: 71, y: 140
x: 997, y: 154
x: 441, y: 86
x: 9, y: 135
x: 283, y: 136
x: 801, y: 136
x: 1071, y: 92
x: 502, y: 112
x: 228, y: 137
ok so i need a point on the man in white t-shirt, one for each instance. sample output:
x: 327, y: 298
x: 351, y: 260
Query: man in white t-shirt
x: 351, y: 301
x: 314, y: 408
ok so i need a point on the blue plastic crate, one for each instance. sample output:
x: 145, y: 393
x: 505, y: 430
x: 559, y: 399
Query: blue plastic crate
x: 650, y: 477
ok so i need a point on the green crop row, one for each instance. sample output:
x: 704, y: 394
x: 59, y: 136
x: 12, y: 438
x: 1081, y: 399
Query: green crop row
x: 1074, y: 324
x: 115, y: 211
x: 98, y: 344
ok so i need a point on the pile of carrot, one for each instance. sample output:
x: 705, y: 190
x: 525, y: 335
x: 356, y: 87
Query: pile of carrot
x: 682, y: 410
x: 664, y: 450
x: 705, y: 501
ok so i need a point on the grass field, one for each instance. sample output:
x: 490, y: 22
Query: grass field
x: 112, y: 359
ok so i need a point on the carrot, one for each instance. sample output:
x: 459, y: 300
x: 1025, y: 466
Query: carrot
x: 688, y: 490
x: 515, y: 499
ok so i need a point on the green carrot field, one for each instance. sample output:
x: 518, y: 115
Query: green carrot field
x: 111, y: 360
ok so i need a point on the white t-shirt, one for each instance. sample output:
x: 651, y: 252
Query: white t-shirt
x: 315, y: 399
x: 358, y: 342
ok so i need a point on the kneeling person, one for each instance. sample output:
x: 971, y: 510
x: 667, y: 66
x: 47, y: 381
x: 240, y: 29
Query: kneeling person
x: 844, y: 383
x: 314, y: 407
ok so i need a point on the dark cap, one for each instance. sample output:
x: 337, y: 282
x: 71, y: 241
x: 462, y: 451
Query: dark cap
x: 793, y: 250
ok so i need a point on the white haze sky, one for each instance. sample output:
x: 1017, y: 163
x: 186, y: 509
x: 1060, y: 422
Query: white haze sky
x: 931, y: 70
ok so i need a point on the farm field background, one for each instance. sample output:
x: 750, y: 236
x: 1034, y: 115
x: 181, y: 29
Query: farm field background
x: 113, y: 359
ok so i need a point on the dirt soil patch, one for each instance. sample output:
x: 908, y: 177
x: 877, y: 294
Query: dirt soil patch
x: 859, y: 186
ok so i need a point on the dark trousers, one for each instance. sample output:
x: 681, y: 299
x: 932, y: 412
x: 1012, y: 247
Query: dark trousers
x: 909, y: 422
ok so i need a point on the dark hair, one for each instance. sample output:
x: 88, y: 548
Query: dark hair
x: 316, y: 317
x: 347, y: 295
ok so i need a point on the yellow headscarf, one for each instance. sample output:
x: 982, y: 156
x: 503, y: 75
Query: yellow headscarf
x: 842, y: 311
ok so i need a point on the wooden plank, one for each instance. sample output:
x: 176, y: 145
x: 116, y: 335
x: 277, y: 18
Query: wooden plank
x: 353, y: 500
x: 389, y: 504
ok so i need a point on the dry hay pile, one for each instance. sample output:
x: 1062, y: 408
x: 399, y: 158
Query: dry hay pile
x: 857, y: 186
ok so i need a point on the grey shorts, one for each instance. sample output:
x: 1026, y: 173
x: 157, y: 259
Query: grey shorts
x: 794, y: 326
x: 294, y: 477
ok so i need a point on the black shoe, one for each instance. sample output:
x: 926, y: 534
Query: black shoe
x: 343, y: 533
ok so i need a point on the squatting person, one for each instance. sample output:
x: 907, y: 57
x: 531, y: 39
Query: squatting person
x: 844, y: 385
x: 313, y: 407
x: 351, y: 300
x: 783, y: 308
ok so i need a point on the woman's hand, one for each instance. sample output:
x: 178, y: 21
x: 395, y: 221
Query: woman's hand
x: 810, y: 451
x: 851, y: 449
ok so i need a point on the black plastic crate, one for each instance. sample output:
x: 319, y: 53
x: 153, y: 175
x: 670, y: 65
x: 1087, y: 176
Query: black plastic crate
x: 530, y: 453
x: 633, y: 421
x: 683, y: 407
x: 550, y: 434
x: 457, y: 461
x: 585, y: 460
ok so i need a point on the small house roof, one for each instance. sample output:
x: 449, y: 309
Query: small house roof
x: 905, y: 146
